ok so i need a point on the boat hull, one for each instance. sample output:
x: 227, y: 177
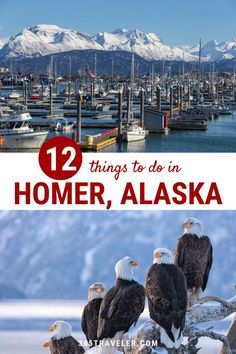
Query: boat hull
x: 130, y: 136
x: 31, y: 140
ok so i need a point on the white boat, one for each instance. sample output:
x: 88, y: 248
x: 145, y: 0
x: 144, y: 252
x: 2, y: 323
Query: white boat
x: 61, y: 125
x: 14, y: 95
x: 134, y: 132
x: 16, y: 133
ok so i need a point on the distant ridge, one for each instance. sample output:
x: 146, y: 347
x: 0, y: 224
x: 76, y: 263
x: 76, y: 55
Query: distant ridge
x: 40, y: 40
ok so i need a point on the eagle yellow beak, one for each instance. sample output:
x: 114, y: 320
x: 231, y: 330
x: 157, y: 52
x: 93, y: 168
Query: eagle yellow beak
x: 134, y: 263
x: 187, y: 225
x: 46, y: 345
x: 156, y: 254
x: 99, y: 290
x: 52, y: 328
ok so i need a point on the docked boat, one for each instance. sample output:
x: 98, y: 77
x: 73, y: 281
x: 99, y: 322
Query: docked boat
x: 134, y: 132
x: 62, y: 125
x: 17, y: 134
x: 187, y: 124
x: 14, y: 95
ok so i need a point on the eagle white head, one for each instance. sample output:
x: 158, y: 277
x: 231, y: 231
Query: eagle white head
x: 96, y: 291
x: 193, y: 226
x: 61, y: 329
x: 162, y: 256
x: 124, y: 268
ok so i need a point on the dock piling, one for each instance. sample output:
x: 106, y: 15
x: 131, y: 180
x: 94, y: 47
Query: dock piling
x: 171, y: 101
x: 181, y: 97
x: 178, y: 95
x: 78, y: 121
x: 92, y: 94
x: 142, y: 108
x: 120, y: 115
x: 25, y: 94
x: 189, y: 95
x: 42, y: 90
x: 128, y: 104
x: 50, y: 99
x: 158, y: 98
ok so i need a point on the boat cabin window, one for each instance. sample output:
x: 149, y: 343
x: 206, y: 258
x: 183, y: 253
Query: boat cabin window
x: 18, y: 125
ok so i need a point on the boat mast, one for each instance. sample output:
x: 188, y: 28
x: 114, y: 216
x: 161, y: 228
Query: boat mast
x: 213, y: 80
x: 95, y: 66
x: 234, y: 81
x: 132, y: 84
x: 199, y: 71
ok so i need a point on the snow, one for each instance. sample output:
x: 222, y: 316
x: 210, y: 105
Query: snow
x: 147, y: 45
x: 59, y: 255
x: 46, y: 39
x: 1, y: 43
x: 27, y: 340
x: 212, y: 50
x: 43, y: 39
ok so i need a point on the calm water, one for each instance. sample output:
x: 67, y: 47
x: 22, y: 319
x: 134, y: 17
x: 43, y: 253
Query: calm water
x: 219, y: 137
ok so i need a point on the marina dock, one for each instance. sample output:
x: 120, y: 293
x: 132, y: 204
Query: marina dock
x: 99, y: 141
x: 165, y: 105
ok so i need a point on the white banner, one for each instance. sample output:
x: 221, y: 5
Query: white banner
x: 153, y: 181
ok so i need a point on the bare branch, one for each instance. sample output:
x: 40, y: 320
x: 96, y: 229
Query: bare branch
x: 215, y: 336
x: 217, y: 299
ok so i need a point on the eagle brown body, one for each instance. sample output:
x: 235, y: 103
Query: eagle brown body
x: 193, y: 254
x: 89, y: 322
x: 66, y: 345
x: 120, y: 308
x: 167, y: 297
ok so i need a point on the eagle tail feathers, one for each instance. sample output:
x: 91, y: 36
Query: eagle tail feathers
x: 171, y: 339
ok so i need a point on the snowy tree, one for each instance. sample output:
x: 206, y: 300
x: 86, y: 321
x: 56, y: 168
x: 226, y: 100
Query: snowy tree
x: 209, y: 309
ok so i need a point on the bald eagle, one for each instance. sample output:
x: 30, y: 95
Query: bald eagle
x: 89, y: 322
x: 62, y: 342
x: 193, y: 254
x: 166, y: 291
x: 122, y: 305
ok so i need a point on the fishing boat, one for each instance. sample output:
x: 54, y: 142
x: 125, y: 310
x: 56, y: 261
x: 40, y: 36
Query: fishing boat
x: 17, y: 134
x: 62, y: 125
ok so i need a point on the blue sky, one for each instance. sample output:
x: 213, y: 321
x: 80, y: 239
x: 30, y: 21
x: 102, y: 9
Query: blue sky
x: 175, y: 21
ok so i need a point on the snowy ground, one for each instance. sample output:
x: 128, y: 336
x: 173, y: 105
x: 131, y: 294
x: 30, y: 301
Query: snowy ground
x: 24, y: 324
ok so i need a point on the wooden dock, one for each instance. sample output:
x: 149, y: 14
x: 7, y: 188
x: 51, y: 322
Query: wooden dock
x: 99, y: 141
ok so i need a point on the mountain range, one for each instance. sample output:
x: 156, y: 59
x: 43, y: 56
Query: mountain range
x: 41, y: 40
x: 47, y: 254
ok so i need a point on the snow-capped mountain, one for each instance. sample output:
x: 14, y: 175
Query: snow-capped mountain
x: 213, y: 50
x: 59, y: 254
x: 41, y: 40
x: 1, y: 43
x: 147, y: 45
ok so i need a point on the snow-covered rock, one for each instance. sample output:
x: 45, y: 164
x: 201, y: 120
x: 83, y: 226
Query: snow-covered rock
x: 147, y: 45
x: 1, y: 43
x: 41, y: 40
x: 213, y: 50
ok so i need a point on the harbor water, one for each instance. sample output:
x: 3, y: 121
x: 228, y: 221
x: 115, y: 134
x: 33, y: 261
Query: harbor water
x: 219, y: 137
